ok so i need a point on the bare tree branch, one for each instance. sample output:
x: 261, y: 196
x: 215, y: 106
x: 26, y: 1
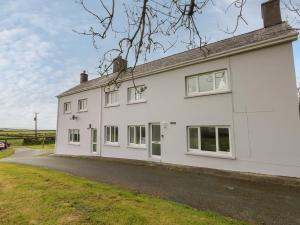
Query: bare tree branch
x: 149, y: 22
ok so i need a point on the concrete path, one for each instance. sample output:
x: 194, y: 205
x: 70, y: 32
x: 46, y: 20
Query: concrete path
x: 258, y: 202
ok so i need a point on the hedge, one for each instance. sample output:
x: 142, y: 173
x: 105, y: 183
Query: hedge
x: 39, y: 141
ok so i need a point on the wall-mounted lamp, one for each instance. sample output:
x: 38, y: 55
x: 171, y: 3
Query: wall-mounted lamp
x: 90, y: 126
x: 74, y: 117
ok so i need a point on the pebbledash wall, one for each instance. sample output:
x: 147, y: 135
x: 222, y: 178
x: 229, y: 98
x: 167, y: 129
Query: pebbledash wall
x: 260, y: 108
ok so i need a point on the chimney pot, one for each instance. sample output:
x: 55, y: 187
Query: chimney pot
x: 119, y: 64
x: 271, y: 13
x: 84, y: 77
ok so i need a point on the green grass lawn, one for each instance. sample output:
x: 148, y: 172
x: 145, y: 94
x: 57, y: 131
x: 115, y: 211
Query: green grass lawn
x: 31, y: 195
x: 6, y: 153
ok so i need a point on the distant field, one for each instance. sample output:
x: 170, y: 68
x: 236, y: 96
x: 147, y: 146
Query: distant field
x: 15, y: 137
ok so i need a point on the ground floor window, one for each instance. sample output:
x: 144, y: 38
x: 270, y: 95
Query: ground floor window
x: 137, y: 136
x: 209, y: 139
x: 111, y: 135
x: 74, y: 136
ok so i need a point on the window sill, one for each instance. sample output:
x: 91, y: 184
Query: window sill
x: 67, y: 112
x: 112, y: 105
x: 74, y: 143
x: 112, y: 144
x: 208, y: 93
x: 82, y: 111
x: 137, y: 146
x: 136, y: 102
x: 210, y: 154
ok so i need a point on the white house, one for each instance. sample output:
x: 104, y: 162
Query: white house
x: 232, y: 109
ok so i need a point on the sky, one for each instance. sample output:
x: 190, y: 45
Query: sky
x: 40, y: 55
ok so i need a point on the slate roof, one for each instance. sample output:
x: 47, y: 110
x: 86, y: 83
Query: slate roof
x: 213, y: 49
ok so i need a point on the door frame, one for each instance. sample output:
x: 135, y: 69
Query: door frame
x: 154, y: 157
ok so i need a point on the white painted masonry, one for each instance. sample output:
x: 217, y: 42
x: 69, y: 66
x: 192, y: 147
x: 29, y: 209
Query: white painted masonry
x: 260, y: 108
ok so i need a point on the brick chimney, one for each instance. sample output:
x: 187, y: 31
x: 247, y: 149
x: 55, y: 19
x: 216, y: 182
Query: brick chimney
x: 271, y: 13
x: 84, y: 77
x: 119, y: 64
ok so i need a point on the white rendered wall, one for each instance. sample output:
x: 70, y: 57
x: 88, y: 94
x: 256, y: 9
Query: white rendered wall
x: 261, y: 110
x: 92, y: 116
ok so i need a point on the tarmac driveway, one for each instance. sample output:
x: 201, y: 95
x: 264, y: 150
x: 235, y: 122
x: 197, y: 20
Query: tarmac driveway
x: 258, y: 201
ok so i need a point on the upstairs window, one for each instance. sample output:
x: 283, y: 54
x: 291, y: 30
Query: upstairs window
x: 136, y: 94
x: 74, y: 136
x: 209, y: 139
x: 207, y: 82
x: 67, y: 107
x: 111, y: 135
x: 137, y: 136
x: 111, y: 98
x: 82, y: 105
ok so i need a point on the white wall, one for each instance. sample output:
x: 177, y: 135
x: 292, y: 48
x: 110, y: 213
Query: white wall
x: 261, y: 111
x: 92, y: 116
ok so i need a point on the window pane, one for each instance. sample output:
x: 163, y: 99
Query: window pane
x: 137, y: 95
x: 131, y: 94
x: 70, y: 136
x: 142, y: 92
x: 156, y: 133
x: 193, y: 135
x: 155, y: 149
x: 206, y: 82
x: 221, y: 82
x: 107, y: 133
x: 107, y: 98
x: 192, y: 84
x: 143, y: 135
x: 94, y: 135
x: 131, y: 135
x: 79, y: 105
x: 224, y: 144
x: 116, y: 134
x: 112, y: 134
x: 208, y: 139
x: 94, y: 147
x: 137, y: 135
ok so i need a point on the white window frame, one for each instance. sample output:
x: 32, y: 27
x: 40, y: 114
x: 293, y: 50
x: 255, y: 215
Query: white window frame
x: 84, y: 109
x: 67, y: 109
x: 108, y: 98
x: 71, y: 136
x: 138, y: 97
x: 214, y: 90
x: 111, y: 142
x: 139, y: 145
x: 217, y: 153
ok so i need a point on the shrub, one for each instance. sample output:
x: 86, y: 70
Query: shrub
x: 39, y: 141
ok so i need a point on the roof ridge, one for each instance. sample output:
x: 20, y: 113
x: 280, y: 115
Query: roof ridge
x: 262, y: 35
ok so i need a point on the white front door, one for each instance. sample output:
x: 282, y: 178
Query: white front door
x: 94, y: 140
x: 155, y: 140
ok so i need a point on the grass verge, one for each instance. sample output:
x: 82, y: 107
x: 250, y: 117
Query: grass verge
x: 31, y: 195
x: 6, y: 153
x: 41, y: 147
